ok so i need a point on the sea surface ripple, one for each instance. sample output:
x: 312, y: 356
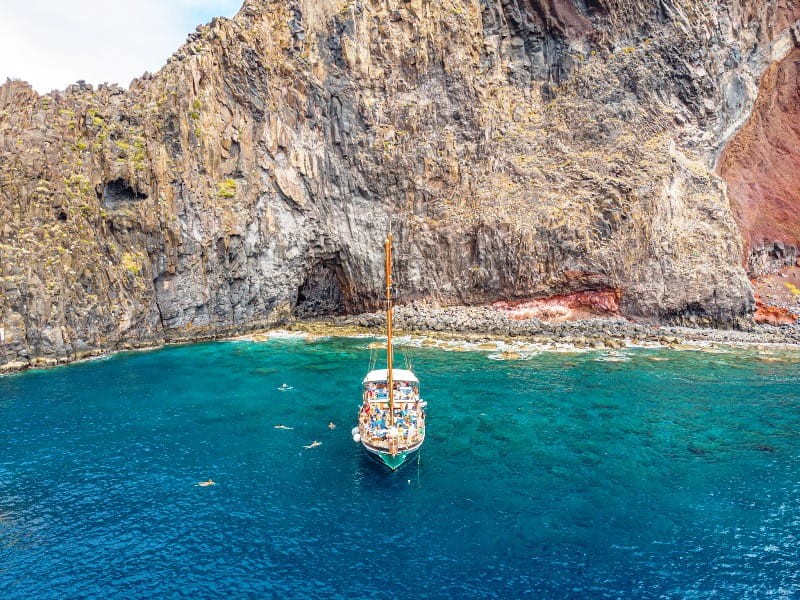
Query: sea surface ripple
x: 655, y: 474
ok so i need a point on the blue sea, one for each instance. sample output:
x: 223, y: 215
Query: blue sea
x: 639, y: 474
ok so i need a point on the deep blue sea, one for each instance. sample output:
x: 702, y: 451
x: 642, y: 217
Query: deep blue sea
x: 664, y: 474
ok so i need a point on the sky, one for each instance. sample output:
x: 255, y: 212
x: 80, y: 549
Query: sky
x: 53, y: 43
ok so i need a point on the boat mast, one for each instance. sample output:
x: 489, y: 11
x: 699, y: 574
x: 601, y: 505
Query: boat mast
x: 387, y: 246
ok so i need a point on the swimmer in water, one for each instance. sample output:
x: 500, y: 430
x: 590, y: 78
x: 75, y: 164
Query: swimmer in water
x: 283, y: 427
x: 313, y: 444
x: 285, y: 388
x: 331, y: 425
x: 206, y: 483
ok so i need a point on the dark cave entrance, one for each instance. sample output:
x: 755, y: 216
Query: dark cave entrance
x: 321, y: 293
x: 118, y: 192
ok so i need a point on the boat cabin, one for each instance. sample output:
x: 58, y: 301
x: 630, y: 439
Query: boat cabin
x: 405, y: 384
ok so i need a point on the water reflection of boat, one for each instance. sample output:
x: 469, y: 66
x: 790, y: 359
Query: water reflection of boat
x: 391, y: 419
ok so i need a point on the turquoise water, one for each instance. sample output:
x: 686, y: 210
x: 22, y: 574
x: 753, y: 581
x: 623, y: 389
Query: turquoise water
x: 669, y: 475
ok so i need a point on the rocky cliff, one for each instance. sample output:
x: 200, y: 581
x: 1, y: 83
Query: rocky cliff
x: 762, y: 167
x: 518, y: 149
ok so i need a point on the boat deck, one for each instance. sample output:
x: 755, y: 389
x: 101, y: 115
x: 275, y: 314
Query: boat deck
x: 403, y: 433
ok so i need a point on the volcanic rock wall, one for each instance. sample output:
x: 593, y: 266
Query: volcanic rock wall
x: 517, y: 148
x: 762, y: 167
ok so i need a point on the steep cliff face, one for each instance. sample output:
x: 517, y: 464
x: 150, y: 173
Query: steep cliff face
x: 518, y: 148
x: 762, y: 167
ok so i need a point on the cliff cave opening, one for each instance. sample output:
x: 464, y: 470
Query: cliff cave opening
x: 321, y: 293
x: 118, y: 191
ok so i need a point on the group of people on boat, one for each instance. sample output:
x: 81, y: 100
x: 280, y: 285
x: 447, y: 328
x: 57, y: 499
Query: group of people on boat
x: 408, y: 425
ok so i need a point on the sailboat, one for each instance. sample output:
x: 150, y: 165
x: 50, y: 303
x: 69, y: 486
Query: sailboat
x: 391, y: 418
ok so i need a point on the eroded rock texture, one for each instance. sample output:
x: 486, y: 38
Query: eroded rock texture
x: 519, y: 148
x: 762, y: 168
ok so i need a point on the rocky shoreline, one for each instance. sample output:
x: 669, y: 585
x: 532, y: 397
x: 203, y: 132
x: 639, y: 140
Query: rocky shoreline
x: 473, y: 323
x: 615, y: 332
